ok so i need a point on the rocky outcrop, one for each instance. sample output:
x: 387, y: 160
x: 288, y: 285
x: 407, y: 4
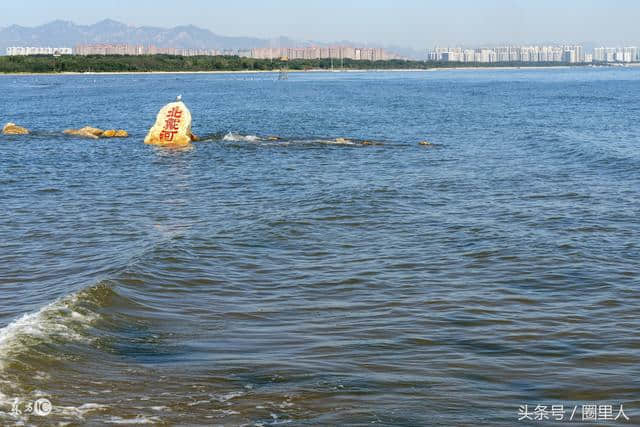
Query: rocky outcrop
x: 112, y: 133
x: 13, y: 129
x: 85, y: 132
x: 95, y: 133
x: 172, y: 127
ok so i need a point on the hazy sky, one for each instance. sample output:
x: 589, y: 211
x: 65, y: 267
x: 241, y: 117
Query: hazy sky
x: 415, y: 23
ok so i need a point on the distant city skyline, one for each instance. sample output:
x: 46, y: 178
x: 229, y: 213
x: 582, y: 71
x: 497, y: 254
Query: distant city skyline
x: 412, y: 23
x: 575, y: 54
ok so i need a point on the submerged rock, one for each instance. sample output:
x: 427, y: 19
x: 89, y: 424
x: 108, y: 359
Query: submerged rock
x: 112, y: 133
x: 85, y: 132
x: 14, y: 129
x: 95, y: 133
x: 172, y: 127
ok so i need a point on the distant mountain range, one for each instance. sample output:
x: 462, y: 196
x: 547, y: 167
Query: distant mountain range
x: 67, y: 34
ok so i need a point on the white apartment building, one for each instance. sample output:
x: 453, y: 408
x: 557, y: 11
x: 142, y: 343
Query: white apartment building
x: 21, y: 51
x: 616, y: 54
x: 571, y: 54
x: 525, y: 54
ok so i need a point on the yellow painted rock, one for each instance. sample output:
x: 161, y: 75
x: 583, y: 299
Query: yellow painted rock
x: 122, y: 134
x: 172, y: 127
x: 273, y: 138
x: 425, y: 143
x: 13, y: 129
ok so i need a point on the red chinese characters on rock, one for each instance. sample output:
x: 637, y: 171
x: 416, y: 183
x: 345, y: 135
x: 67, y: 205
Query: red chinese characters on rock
x: 171, y: 124
x: 172, y: 127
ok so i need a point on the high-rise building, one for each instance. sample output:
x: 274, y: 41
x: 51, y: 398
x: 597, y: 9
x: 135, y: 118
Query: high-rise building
x: 571, y: 54
x: 599, y: 54
x: 126, y: 49
x: 21, y: 51
x: 615, y: 54
x: 335, y: 52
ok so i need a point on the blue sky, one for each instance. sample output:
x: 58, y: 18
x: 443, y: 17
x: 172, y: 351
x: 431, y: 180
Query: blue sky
x: 412, y: 23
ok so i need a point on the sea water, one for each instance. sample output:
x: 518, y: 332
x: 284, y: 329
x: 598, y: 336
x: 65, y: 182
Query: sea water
x: 280, y: 271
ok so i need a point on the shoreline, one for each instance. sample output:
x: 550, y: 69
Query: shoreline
x: 318, y: 70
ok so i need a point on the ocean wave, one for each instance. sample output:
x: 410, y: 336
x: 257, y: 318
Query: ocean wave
x: 234, y: 137
x: 62, y: 320
x: 277, y: 140
x: 35, y: 342
x: 337, y: 141
x: 130, y: 421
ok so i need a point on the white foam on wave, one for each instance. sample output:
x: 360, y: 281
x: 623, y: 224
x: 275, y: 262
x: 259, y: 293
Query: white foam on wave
x: 337, y: 141
x: 138, y: 420
x: 234, y: 137
x: 63, y: 320
x: 221, y: 398
x: 78, y: 412
x: 227, y: 396
x: 54, y: 320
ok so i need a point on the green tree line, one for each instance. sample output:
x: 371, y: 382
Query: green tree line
x: 169, y: 63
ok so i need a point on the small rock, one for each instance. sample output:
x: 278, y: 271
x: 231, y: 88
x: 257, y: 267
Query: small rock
x: 425, y: 143
x: 343, y: 141
x: 13, y: 129
x: 95, y: 133
x: 367, y: 143
x: 273, y: 138
x: 91, y: 130
x: 85, y: 132
x: 112, y: 133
